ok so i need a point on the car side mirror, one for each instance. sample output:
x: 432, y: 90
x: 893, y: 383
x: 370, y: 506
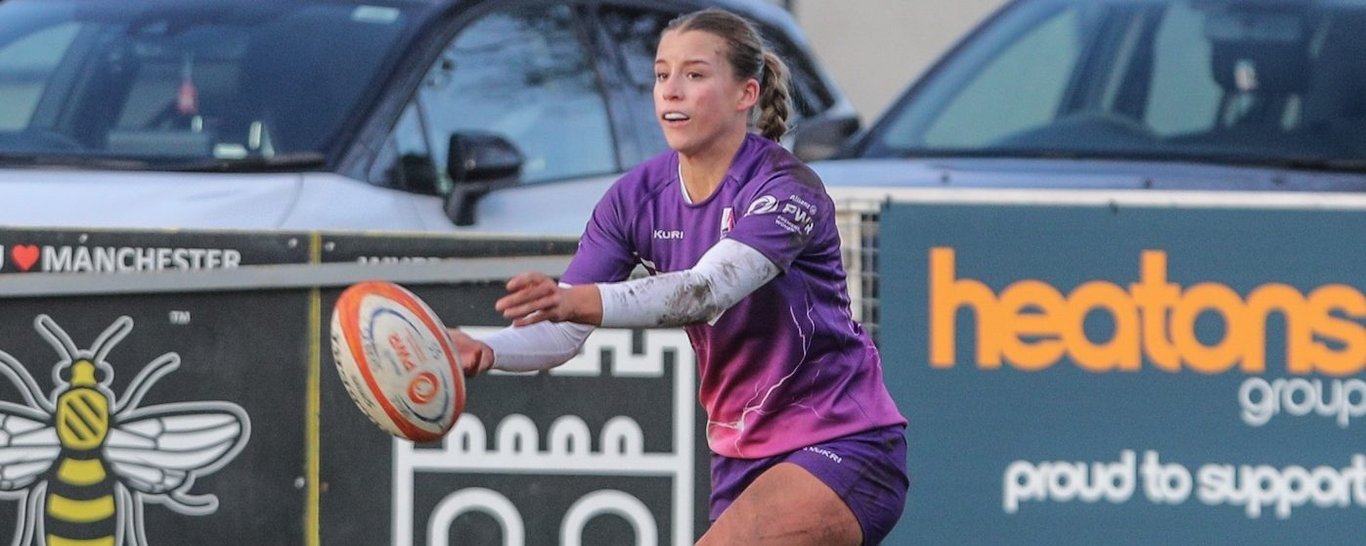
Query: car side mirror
x: 820, y: 138
x: 478, y: 163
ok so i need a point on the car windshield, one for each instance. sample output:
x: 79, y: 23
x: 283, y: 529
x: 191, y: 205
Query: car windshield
x: 173, y: 83
x: 1237, y: 81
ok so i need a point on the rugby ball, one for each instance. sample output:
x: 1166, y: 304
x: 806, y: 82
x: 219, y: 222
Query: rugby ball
x: 397, y: 361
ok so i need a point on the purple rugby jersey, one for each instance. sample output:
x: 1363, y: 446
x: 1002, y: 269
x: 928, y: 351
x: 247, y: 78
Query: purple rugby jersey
x: 787, y: 366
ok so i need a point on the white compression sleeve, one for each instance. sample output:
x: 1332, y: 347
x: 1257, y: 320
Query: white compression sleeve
x: 726, y: 273
x: 536, y: 347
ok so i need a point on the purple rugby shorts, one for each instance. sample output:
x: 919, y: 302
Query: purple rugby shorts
x: 866, y: 469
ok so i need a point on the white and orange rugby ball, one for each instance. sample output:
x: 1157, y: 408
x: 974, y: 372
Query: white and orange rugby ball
x: 397, y: 360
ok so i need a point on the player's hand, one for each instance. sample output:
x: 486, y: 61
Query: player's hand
x: 535, y: 297
x: 475, y: 356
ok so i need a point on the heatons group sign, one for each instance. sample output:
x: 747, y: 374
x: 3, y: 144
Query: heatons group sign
x: 1126, y: 372
x: 1032, y: 325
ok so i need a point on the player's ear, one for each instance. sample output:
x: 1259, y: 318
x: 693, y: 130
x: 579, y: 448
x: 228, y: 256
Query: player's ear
x: 749, y: 94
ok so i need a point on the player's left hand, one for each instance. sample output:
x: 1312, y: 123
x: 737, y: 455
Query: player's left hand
x: 535, y: 297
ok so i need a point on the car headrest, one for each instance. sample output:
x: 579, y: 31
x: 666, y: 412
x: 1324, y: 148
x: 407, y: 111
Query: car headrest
x: 1262, y: 51
x: 1260, y: 68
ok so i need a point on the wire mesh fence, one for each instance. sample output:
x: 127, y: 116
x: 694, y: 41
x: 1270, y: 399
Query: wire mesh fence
x: 857, y: 221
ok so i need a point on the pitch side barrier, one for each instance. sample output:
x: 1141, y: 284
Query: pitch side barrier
x: 179, y: 387
x: 1127, y: 367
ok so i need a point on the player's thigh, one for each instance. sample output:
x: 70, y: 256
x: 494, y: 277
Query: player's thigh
x: 786, y: 505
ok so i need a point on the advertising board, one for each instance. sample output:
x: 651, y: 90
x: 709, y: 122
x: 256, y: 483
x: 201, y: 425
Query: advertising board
x: 1100, y: 373
x: 177, y: 387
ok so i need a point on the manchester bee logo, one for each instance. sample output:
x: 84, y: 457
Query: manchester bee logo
x: 82, y: 462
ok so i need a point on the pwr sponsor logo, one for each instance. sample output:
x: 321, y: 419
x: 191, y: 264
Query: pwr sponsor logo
x: 795, y: 214
x: 111, y: 259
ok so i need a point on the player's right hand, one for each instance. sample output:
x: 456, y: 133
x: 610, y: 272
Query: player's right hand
x: 475, y: 356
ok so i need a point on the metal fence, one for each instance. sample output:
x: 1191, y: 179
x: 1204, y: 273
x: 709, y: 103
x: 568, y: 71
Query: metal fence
x: 857, y: 221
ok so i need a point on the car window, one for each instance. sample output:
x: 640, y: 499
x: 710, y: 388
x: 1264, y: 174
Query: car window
x: 404, y: 162
x: 28, y: 61
x: 524, y: 75
x: 976, y: 117
x: 1184, y: 97
x: 635, y: 34
x: 1240, y: 81
x: 186, y: 81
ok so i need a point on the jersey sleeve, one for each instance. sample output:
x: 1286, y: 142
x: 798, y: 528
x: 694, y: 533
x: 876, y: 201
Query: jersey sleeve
x: 605, y: 252
x: 780, y: 215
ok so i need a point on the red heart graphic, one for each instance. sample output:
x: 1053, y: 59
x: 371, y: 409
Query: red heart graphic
x: 24, y: 256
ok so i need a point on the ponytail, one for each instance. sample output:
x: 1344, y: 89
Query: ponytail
x: 775, y: 99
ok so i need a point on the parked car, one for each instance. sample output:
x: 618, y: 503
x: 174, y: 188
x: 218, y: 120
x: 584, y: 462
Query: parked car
x: 1245, y: 95
x: 326, y: 114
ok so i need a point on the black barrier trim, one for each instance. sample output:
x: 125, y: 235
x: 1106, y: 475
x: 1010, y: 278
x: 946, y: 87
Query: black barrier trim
x: 278, y: 276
